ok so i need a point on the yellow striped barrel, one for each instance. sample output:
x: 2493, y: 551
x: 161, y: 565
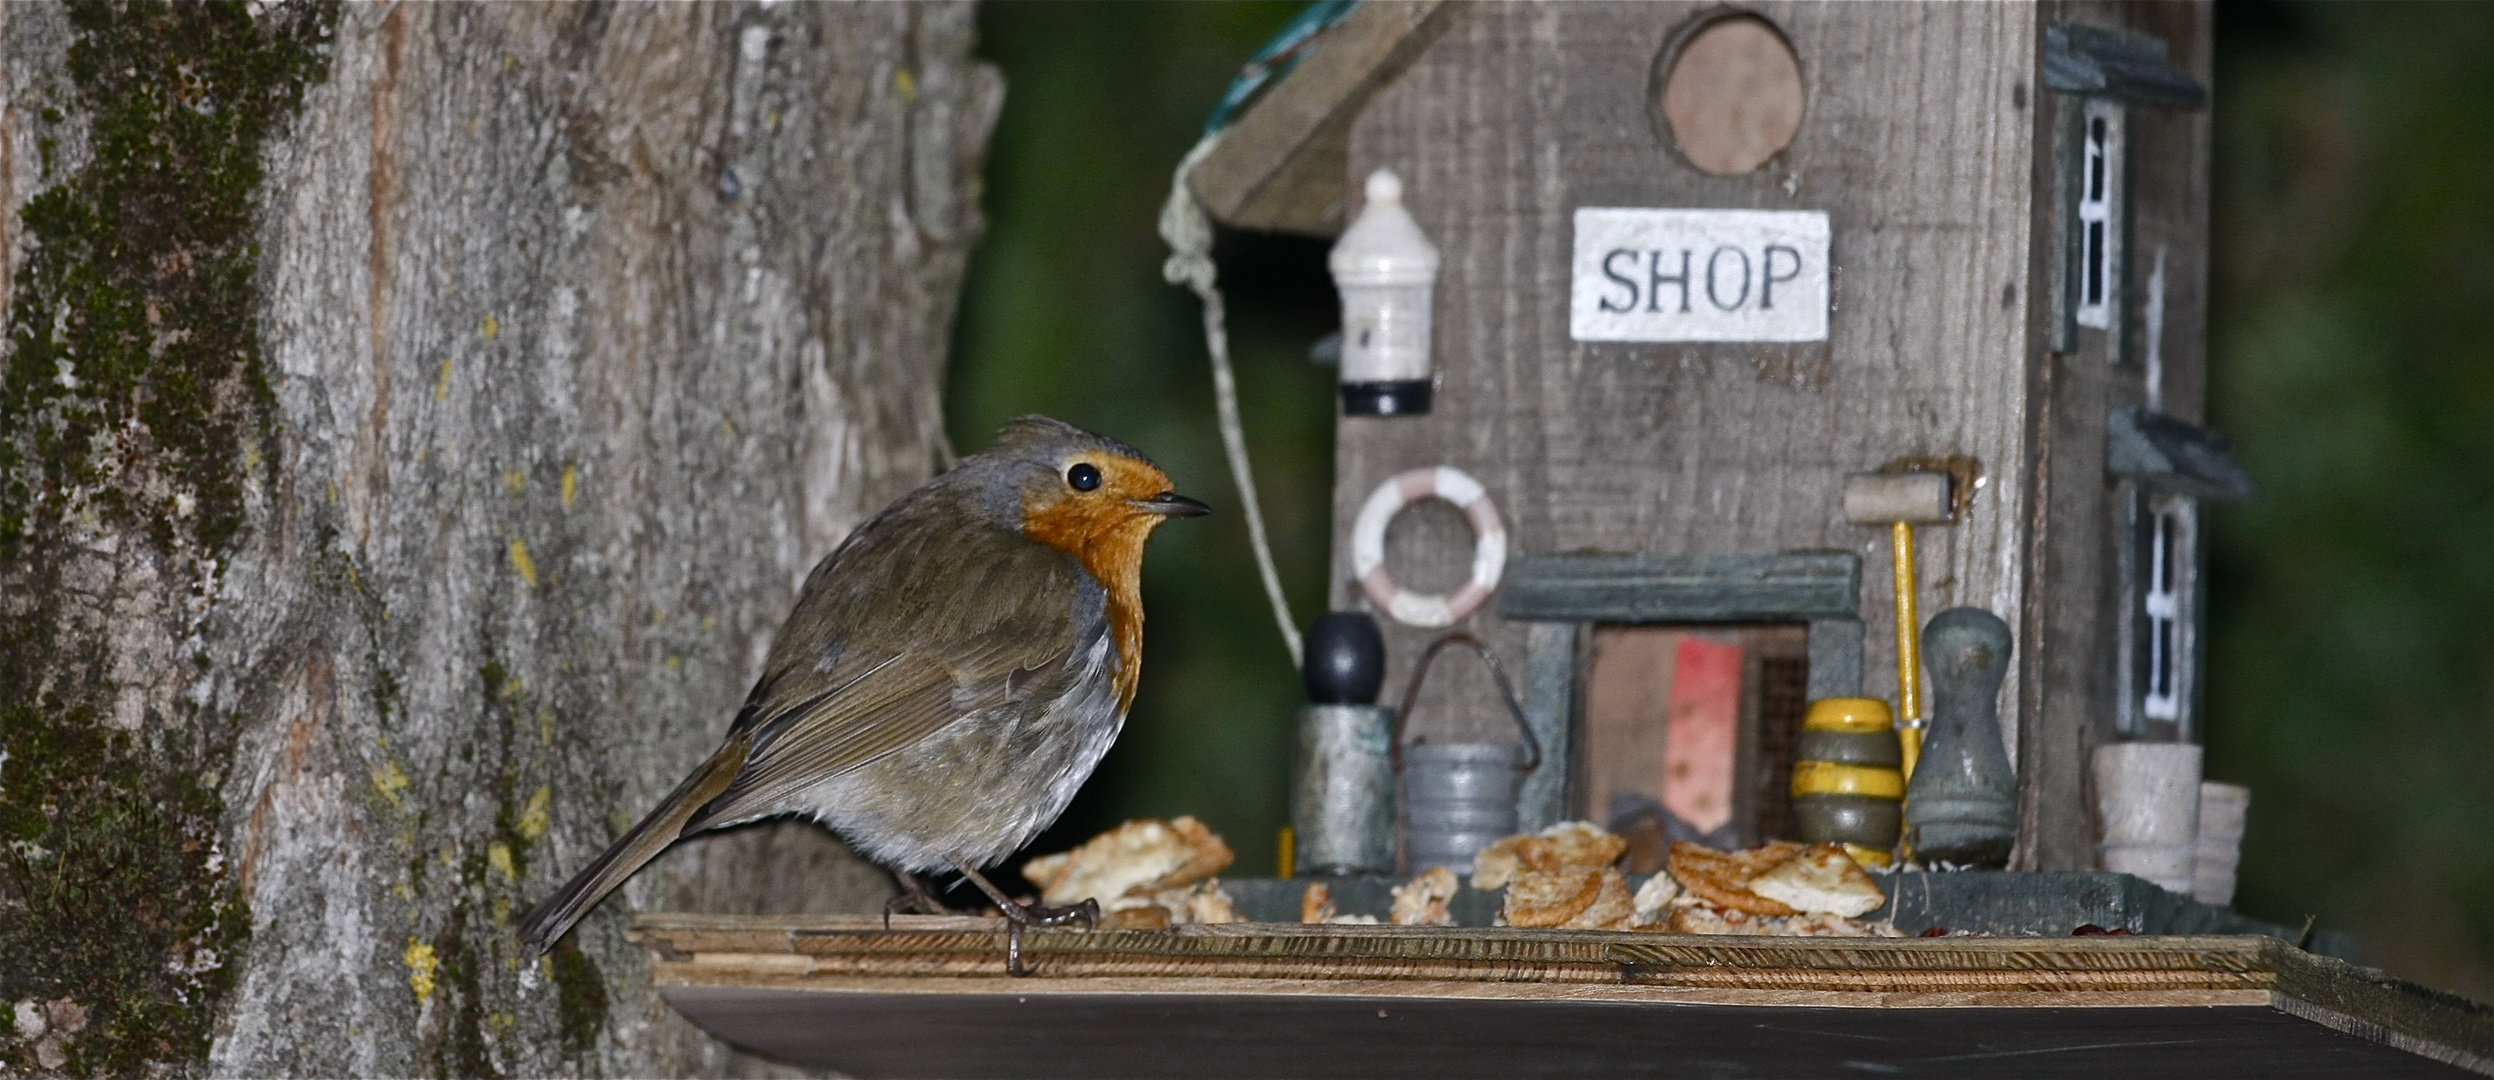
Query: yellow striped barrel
x: 1848, y: 787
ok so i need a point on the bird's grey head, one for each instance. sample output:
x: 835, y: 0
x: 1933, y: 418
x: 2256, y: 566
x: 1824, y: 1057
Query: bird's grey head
x: 1038, y: 461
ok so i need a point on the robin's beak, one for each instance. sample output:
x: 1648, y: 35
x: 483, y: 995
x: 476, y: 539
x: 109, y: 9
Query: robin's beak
x: 1172, y: 504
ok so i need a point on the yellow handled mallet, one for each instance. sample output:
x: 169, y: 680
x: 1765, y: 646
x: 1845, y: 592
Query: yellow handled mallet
x: 1900, y: 501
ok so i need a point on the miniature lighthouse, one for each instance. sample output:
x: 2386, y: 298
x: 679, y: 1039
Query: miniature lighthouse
x: 1385, y: 268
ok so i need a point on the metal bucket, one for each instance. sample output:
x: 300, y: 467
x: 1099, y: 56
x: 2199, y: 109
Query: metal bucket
x: 1342, y: 791
x: 1460, y: 797
x: 1457, y: 799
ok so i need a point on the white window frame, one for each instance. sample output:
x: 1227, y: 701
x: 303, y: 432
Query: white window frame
x: 2097, y: 258
x: 2160, y: 629
x: 2165, y: 655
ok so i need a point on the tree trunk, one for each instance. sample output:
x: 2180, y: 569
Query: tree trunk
x: 415, y: 422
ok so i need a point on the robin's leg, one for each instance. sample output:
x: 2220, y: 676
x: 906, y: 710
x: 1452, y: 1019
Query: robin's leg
x: 1019, y: 915
x: 914, y: 898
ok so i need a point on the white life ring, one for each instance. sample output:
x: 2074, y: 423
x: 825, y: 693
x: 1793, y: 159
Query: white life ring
x: 1368, y: 545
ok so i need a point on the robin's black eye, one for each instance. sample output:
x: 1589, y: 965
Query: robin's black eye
x: 1084, y: 476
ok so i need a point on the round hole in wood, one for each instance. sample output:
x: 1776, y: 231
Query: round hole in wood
x: 1732, y: 97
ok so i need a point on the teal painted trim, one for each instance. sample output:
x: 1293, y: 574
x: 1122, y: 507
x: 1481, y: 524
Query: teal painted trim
x: 1276, y: 58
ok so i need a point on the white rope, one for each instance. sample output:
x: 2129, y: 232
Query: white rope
x: 1188, y: 231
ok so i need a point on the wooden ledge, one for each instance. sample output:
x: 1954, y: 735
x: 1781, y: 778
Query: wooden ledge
x: 754, y: 950
x: 775, y: 983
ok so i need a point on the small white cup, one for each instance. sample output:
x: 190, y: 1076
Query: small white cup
x: 2219, y: 849
x: 2148, y: 801
x: 2168, y: 865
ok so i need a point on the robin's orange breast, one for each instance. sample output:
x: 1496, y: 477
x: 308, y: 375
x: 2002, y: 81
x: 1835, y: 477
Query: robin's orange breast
x: 1103, y: 526
x: 1108, y: 542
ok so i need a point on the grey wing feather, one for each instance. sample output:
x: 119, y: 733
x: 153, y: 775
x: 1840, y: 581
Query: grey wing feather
x: 878, y: 701
x: 899, y: 702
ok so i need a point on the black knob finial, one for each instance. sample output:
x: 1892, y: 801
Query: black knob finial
x: 1346, y: 659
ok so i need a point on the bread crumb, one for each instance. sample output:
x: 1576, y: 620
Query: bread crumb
x: 1653, y: 897
x: 1422, y: 900
x: 1613, y: 908
x: 1138, y: 858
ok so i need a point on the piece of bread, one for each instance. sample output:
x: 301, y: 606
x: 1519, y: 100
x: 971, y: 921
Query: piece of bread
x: 1497, y: 864
x: 1765, y: 856
x: 1207, y: 854
x: 1722, y: 878
x: 1317, y: 904
x: 1820, y: 879
x: 1206, y: 902
x: 1653, y: 898
x: 1613, y: 906
x: 1571, y: 845
x: 1106, y: 866
x: 1422, y: 900
x: 1550, y: 897
x: 1138, y: 917
x: 1202, y: 902
x: 1137, y: 858
x: 1568, y: 845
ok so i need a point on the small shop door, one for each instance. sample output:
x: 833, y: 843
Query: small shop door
x: 1688, y: 733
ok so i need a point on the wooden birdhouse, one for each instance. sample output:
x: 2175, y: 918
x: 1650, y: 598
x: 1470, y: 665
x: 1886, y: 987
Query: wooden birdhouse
x: 1701, y: 267
x: 1663, y: 325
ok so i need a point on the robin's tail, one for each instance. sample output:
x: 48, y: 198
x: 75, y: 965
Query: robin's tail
x: 549, y: 921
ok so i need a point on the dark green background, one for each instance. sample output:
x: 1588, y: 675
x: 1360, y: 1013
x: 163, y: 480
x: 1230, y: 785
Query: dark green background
x: 1067, y: 314
x: 2351, y: 678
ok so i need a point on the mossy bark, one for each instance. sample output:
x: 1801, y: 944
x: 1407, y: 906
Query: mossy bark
x: 414, y: 422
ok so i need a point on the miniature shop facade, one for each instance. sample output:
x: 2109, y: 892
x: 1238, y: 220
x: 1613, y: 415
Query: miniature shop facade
x: 1700, y: 265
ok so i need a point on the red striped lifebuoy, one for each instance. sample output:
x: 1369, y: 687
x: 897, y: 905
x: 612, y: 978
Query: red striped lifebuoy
x: 1368, y: 545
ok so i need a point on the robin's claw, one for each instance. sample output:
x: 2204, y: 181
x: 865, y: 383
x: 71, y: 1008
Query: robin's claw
x: 906, y: 904
x: 914, y: 899
x: 1087, y: 913
x: 1019, y: 915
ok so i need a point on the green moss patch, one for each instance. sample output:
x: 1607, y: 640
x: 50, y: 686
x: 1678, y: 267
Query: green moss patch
x: 463, y: 987
x: 579, y: 997
x: 131, y: 393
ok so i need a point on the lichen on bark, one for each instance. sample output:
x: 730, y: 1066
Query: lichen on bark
x: 386, y: 572
x: 132, y: 405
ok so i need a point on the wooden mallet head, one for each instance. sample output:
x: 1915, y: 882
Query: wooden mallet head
x: 1915, y: 498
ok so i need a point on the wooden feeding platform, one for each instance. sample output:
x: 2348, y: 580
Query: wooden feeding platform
x: 931, y: 997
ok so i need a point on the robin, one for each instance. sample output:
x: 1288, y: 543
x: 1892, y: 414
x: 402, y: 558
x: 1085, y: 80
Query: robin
x: 949, y: 677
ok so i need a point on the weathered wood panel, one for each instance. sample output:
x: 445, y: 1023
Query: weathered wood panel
x: 1280, y: 166
x: 2070, y: 638
x: 930, y: 997
x: 1917, y: 139
x: 1703, y: 588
